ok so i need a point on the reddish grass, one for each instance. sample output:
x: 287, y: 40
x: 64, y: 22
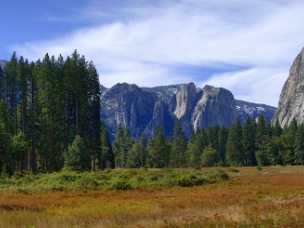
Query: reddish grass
x: 273, y: 197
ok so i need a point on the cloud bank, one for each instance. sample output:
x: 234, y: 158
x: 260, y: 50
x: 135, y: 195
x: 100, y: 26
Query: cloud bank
x: 144, y: 43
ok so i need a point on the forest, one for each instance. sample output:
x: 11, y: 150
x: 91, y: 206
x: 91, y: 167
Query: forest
x: 50, y: 120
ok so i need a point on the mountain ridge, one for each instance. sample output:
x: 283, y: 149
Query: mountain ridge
x: 142, y: 109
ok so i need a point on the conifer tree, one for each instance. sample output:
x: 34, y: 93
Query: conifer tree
x: 77, y: 157
x: 158, y: 150
x: 5, y: 138
x: 136, y: 155
x: 106, y: 156
x: 209, y: 157
x: 178, y: 147
x: 11, y: 89
x: 234, y: 148
x: 299, y: 145
x: 223, y: 134
x: 249, y: 143
x: 17, y: 151
x: 121, y: 147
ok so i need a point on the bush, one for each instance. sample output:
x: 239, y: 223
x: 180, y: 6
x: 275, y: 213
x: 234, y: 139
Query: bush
x: 190, y: 180
x: 209, y: 157
x: 120, y: 179
x: 121, y: 185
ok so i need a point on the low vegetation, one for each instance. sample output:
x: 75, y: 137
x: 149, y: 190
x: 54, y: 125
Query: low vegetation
x: 117, y: 179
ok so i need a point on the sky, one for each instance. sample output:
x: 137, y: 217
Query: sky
x: 244, y: 46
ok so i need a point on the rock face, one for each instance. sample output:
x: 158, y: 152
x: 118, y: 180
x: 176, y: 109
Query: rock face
x: 142, y: 110
x: 291, y: 103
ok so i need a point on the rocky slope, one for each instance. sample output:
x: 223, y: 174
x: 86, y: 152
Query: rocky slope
x: 144, y: 109
x: 291, y: 103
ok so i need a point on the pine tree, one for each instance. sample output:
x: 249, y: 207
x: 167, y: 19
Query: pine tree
x: 277, y: 130
x: 11, y: 89
x: 77, y: 156
x: 249, y: 143
x: 234, y: 148
x: 223, y: 135
x: 195, y: 148
x: 121, y: 147
x: 6, y: 131
x: 209, y: 157
x: 299, y: 145
x: 158, y: 150
x: 93, y: 113
x: 106, y: 156
x: 137, y: 155
x: 18, y: 150
x: 178, y: 147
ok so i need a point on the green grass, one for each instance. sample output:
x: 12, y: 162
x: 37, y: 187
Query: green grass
x: 118, y: 179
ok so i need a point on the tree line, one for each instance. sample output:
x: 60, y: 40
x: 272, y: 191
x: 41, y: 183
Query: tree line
x: 253, y: 143
x: 50, y: 119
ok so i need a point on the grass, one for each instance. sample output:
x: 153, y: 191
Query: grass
x: 272, y: 197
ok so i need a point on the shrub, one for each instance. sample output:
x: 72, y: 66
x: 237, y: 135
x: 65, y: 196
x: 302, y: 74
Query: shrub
x: 190, y: 180
x: 209, y: 157
x: 121, y: 185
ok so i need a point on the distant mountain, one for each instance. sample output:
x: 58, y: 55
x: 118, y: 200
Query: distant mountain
x: 291, y: 103
x: 141, y: 110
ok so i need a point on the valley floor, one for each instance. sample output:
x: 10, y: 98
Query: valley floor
x: 272, y: 197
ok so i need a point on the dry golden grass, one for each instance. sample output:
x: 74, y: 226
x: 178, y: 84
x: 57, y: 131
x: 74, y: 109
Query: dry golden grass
x: 273, y: 197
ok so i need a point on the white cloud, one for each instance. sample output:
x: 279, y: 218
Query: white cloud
x: 261, y: 85
x: 141, y: 42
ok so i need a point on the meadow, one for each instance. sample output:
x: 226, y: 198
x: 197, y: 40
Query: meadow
x: 270, y: 197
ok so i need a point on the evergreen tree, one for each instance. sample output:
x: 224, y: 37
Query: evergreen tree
x: 195, y: 148
x: 18, y: 151
x: 136, y: 157
x: 223, y: 135
x: 299, y: 145
x: 158, y: 150
x: 178, y: 147
x: 234, y: 148
x: 106, y: 156
x: 249, y: 143
x: 277, y: 130
x: 209, y: 157
x: 121, y: 147
x: 289, y: 143
x: 77, y: 157
x: 5, y: 138
x: 11, y: 89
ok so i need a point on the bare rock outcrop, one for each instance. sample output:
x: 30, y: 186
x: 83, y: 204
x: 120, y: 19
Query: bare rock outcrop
x: 291, y: 103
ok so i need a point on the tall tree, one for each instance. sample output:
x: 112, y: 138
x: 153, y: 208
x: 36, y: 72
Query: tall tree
x: 235, y: 155
x: 299, y: 145
x: 106, y: 156
x: 137, y: 155
x: 158, y: 150
x: 6, y: 131
x: 11, y: 89
x: 178, y: 147
x: 121, y: 147
x: 249, y: 143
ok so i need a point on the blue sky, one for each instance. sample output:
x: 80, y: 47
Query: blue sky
x: 244, y: 46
